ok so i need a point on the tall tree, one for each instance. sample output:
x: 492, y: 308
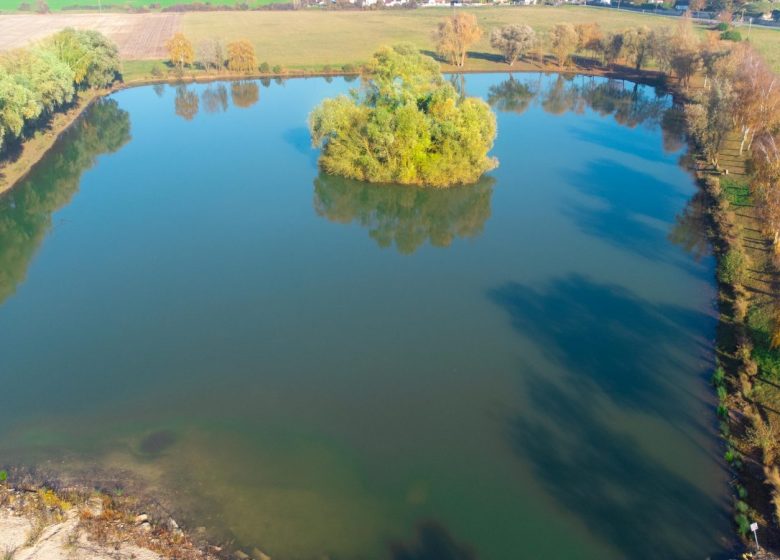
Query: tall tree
x: 93, y: 59
x: 455, y: 35
x: 710, y: 118
x: 211, y: 54
x: 637, y: 45
x: 241, y: 57
x: 564, y: 41
x: 513, y: 41
x: 180, y: 51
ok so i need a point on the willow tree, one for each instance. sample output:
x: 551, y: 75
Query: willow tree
x: 406, y: 125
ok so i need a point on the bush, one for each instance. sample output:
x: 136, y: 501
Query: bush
x: 349, y: 69
x: 157, y: 71
x: 718, y: 376
x: 731, y: 35
x: 3, y: 476
x: 265, y: 67
x: 732, y: 267
x: 277, y: 69
x: 722, y: 26
x: 743, y: 525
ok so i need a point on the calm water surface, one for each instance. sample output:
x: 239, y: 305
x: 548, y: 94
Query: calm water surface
x: 323, y: 368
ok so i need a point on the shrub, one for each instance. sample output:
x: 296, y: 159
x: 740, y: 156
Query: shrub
x: 718, y: 376
x: 3, y: 476
x: 743, y: 525
x: 722, y: 393
x: 730, y: 455
x: 25, y: 7
x: 265, y: 67
x: 722, y: 26
x: 277, y: 69
x: 732, y: 267
x: 349, y: 69
x: 723, y: 412
x: 731, y: 35
x: 157, y: 71
x: 741, y: 492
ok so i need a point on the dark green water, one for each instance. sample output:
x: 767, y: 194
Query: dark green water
x: 317, y: 367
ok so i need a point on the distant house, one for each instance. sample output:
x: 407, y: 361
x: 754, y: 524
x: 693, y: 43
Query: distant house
x: 604, y: 2
x: 524, y: 2
x: 682, y: 5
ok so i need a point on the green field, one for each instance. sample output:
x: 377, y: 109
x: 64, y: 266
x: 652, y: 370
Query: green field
x: 311, y: 37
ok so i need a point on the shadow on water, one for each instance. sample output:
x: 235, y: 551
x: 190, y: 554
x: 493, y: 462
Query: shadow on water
x: 26, y: 211
x: 634, y: 210
x: 609, y: 339
x: 405, y: 217
x: 612, y: 345
x: 433, y: 542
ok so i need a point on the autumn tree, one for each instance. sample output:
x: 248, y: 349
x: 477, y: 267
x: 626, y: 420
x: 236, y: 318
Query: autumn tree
x: 211, y: 54
x: 241, y: 56
x: 589, y: 36
x: 180, y: 51
x: 637, y: 45
x: 513, y: 41
x: 710, y: 119
x: 612, y: 48
x: 455, y: 35
x: 563, y: 42
x: 757, y: 107
x: 766, y: 184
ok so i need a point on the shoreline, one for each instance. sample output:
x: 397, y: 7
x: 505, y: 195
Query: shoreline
x: 34, y: 149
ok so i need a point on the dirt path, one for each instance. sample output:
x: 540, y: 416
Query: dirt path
x: 138, y: 36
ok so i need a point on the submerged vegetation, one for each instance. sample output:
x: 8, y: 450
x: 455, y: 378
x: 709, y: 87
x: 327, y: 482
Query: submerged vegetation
x: 406, y: 125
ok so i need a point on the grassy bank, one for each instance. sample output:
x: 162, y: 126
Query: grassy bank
x: 32, y: 150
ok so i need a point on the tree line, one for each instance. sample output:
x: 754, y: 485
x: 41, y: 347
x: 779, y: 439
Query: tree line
x: 38, y: 81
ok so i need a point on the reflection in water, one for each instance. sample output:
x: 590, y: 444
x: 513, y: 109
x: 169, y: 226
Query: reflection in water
x: 215, y: 98
x: 433, y: 542
x: 186, y: 103
x: 692, y: 227
x: 617, y: 349
x: 25, y: 212
x: 406, y: 216
x: 245, y: 94
x: 512, y: 96
x: 627, y: 102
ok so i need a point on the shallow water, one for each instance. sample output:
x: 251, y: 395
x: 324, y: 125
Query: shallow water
x: 321, y: 367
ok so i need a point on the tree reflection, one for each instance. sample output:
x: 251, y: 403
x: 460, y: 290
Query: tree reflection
x: 433, y: 542
x: 26, y: 212
x: 512, y: 96
x: 186, y: 103
x: 245, y: 94
x: 629, y: 103
x: 406, y: 216
x: 691, y: 228
x: 215, y: 98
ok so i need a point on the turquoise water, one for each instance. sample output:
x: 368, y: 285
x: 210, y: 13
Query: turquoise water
x: 323, y: 368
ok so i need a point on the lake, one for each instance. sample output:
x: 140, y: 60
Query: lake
x: 327, y: 369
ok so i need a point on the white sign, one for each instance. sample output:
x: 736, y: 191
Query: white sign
x: 754, y: 527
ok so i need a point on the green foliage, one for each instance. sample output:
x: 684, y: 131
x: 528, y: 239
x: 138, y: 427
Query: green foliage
x: 723, y: 412
x: 93, y: 59
x: 722, y: 26
x: 265, y: 68
x: 760, y: 324
x: 743, y: 525
x: 36, y: 82
x: 732, y: 268
x: 722, y: 393
x: 718, y: 376
x: 349, y: 68
x: 407, y: 125
x: 276, y: 69
x: 742, y: 492
x: 3, y: 476
x: 730, y: 455
x: 731, y: 35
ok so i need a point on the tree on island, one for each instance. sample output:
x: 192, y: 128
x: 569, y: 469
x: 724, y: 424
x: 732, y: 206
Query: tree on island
x: 513, y: 41
x: 406, y: 125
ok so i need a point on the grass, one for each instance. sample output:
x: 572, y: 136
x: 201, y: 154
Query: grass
x: 298, y: 39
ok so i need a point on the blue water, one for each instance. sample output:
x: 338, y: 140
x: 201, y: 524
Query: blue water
x: 318, y: 367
